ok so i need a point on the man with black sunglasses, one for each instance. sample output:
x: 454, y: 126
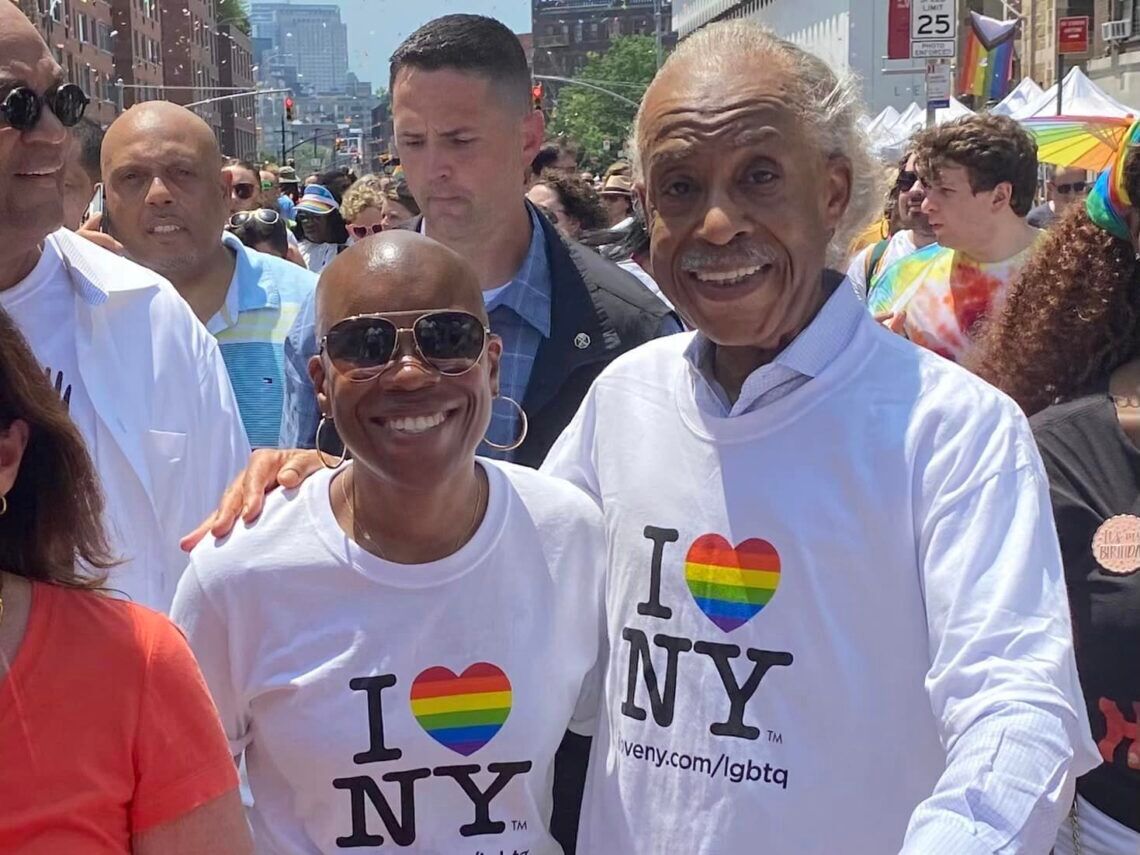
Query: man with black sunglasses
x: 168, y: 201
x: 143, y: 382
x: 1065, y: 186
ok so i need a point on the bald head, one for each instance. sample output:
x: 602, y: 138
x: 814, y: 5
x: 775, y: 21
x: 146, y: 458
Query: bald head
x: 157, y: 121
x: 167, y: 196
x: 396, y: 271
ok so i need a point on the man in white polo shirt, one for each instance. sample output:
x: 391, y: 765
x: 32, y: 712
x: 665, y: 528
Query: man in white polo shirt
x: 837, y: 618
x: 142, y: 379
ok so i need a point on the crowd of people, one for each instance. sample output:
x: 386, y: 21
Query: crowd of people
x: 677, y: 509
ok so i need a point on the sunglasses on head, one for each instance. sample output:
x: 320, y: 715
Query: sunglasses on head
x: 261, y: 215
x: 1075, y: 187
x: 244, y: 190
x: 361, y: 232
x: 906, y: 180
x: 22, y: 107
x: 361, y: 347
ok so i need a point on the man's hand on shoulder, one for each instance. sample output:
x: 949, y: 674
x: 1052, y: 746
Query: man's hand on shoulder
x: 267, y: 470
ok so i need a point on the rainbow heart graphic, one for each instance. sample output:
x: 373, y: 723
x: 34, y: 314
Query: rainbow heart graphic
x: 462, y: 713
x: 731, y: 585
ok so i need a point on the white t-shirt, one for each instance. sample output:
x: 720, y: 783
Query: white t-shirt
x: 899, y: 246
x: 792, y: 590
x: 43, y: 307
x: 318, y: 256
x: 336, y: 672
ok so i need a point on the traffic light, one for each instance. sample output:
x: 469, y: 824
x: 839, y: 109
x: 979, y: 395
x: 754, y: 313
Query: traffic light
x: 339, y: 144
x: 288, y: 109
x: 536, y: 94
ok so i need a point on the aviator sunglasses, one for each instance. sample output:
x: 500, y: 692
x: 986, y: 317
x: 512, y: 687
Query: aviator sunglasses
x: 361, y: 347
x: 22, y: 107
x: 262, y: 215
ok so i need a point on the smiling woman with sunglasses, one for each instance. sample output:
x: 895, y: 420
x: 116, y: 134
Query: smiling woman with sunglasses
x: 399, y: 645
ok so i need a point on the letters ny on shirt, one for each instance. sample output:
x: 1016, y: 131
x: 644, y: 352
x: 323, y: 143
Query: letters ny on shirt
x: 731, y: 585
x: 462, y: 713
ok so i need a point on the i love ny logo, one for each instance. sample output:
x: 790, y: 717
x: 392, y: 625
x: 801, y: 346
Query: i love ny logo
x: 730, y: 585
x: 462, y: 712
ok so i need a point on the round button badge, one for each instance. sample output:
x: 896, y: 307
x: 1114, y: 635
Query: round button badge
x: 1116, y: 545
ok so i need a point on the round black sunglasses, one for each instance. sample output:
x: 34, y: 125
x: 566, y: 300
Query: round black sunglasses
x: 22, y: 107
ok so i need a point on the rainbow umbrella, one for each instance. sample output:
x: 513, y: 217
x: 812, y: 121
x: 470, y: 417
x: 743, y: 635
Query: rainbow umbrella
x: 1083, y: 142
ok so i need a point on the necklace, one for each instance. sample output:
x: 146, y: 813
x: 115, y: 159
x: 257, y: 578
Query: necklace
x: 1, y: 598
x: 470, y: 530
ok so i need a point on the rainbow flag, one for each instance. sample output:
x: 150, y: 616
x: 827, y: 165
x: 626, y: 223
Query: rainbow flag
x: 986, y: 67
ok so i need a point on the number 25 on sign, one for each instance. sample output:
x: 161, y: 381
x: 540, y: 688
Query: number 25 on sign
x: 931, y: 20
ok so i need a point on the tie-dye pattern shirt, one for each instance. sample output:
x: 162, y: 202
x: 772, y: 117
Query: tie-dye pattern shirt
x: 945, y: 294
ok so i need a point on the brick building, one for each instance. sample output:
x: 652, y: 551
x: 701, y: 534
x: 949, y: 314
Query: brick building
x: 238, y: 115
x: 565, y: 32
x: 189, y: 60
x: 138, y: 49
x: 79, y: 37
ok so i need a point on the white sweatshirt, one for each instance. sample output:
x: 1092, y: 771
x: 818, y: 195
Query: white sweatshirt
x: 837, y: 623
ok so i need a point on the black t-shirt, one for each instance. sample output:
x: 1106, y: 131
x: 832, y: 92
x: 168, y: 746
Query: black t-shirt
x: 1094, y: 477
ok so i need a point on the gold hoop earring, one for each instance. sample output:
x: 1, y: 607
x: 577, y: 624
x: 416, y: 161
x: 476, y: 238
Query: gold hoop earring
x: 320, y: 451
x: 3, y: 505
x: 525, y: 427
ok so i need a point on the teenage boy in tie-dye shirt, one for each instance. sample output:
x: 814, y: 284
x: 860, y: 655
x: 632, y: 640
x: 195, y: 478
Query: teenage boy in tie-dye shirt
x: 980, y: 174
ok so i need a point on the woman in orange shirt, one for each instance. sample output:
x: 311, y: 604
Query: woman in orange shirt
x: 109, y: 742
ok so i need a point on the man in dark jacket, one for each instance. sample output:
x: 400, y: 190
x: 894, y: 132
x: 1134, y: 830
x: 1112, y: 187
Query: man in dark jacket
x: 466, y: 131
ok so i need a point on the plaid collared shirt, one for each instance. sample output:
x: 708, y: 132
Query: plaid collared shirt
x: 520, y: 316
x: 519, y: 313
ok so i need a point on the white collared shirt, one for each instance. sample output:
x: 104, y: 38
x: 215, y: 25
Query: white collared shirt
x: 809, y: 354
x: 151, y: 398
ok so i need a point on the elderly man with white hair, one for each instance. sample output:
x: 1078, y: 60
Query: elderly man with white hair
x: 836, y: 614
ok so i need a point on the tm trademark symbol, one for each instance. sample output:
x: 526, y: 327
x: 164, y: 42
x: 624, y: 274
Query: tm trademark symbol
x: 518, y: 825
x: 773, y: 736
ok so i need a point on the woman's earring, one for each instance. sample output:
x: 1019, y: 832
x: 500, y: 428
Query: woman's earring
x: 522, y: 434
x: 320, y: 451
x: 3, y: 505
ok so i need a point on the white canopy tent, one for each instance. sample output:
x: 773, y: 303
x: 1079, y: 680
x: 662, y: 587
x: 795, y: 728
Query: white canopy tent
x: 1025, y: 93
x: 882, y: 122
x: 890, y: 144
x: 1079, y: 97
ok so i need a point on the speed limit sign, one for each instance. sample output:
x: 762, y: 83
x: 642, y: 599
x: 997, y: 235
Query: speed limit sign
x: 932, y: 20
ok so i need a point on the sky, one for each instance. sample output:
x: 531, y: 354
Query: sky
x: 376, y: 27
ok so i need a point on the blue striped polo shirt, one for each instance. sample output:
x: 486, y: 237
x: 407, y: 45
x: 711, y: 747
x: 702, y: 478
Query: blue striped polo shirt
x: 263, y: 300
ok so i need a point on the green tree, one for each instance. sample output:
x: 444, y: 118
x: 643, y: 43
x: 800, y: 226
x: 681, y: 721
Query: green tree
x: 594, y: 119
x: 234, y: 12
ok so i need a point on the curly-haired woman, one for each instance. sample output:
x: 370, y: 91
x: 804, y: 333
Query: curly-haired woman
x: 109, y: 742
x: 1070, y: 328
x: 573, y: 202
